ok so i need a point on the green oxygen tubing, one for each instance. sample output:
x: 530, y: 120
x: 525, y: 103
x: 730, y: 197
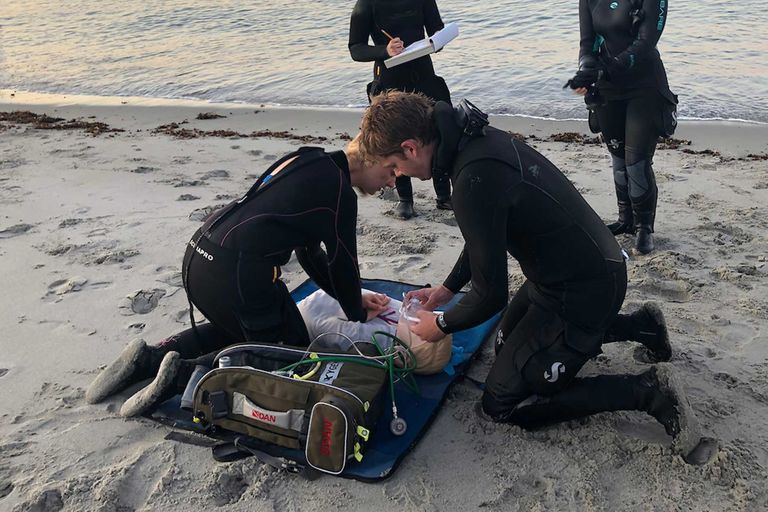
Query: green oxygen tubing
x: 385, y: 359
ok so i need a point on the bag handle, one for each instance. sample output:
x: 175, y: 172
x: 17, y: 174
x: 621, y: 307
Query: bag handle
x: 292, y: 419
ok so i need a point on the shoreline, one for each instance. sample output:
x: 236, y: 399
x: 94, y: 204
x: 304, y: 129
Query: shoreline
x: 742, y: 137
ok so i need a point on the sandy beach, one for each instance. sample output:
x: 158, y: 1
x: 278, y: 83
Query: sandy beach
x: 93, y: 223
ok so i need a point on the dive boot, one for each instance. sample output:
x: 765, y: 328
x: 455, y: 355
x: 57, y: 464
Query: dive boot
x: 626, y: 221
x: 644, y: 243
x: 644, y: 211
x: 646, y: 326
x: 137, y: 362
x: 444, y: 203
x: 162, y: 388
x: 651, y: 330
x: 665, y: 400
x: 404, y: 209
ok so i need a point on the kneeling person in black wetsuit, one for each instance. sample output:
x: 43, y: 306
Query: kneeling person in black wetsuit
x: 231, y: 270
x: 510, y: 199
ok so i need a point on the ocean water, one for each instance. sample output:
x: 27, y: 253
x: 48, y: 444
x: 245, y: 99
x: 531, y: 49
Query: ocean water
x: 511, y: 57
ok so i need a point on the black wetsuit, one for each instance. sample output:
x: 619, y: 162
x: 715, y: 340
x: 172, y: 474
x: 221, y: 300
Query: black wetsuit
x: 231, y: 267
x: 634, y: 93
x: 406, y: 19
x: 509, y: 199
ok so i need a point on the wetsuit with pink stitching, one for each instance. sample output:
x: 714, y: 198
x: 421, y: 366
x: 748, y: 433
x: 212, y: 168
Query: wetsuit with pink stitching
x: 232, y: 264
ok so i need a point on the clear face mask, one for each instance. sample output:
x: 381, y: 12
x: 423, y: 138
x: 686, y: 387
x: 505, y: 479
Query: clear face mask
x: 408, y: 320
x: 409, y: 310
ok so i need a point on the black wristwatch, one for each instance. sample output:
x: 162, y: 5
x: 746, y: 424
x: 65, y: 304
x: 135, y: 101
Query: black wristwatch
x: 440, y: 321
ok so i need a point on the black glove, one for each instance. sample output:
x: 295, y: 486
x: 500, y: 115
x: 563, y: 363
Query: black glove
x: 585, y: 77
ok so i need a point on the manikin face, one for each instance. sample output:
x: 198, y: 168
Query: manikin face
x: 414, y: 162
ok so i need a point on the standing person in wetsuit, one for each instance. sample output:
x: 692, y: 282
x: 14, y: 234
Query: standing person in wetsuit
x: 509, y: 199
x: 621, y: 69
x: 231, y: 270
x: 405, y: 21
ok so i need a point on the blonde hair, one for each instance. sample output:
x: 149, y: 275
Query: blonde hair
x: 354, y: 153
x: 393, y: 117
x: 357, y: 164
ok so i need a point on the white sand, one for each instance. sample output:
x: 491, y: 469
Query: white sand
x: 92, y: 231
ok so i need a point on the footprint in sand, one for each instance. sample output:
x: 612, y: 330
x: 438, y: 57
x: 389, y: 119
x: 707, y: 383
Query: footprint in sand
x: 182, y: 317
x: 145, y: 169
x: 64, y: 286
x: 6, y: 488
x: 3, y: 371
x: 725, y: 234
x: 413, y: 494
x: 15, y: 230
x: 202, y: 214
x: 136, y: 328
x: 70, y: 222
x: 93, y: 253
x: 187, y: 197
x: 141, y: 302
x: 112, y: 257
x: 410, y: 263
x: 671, y: 290
x: 184, y: 182
x: 217, y: 173
x: 11, y: 163
x: 172, y: 278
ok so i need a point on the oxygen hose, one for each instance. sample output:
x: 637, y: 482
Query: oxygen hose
x: 398, y: 425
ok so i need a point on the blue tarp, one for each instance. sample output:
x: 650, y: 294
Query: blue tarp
x: 385, y: 451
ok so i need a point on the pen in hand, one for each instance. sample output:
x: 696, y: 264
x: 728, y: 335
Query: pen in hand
x: 395, y: 45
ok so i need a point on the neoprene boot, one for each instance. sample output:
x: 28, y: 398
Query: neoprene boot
x: 656, y: 392
x: 137, y: 362
x: 647, y: 326
x: 171, y: 379
x: 643, y: 199
x: 662, y: 396
x: 625, y: 222
x: 444, y: 203
x: 644, y: 243
x: 404, y: 209
x: 443, y: 190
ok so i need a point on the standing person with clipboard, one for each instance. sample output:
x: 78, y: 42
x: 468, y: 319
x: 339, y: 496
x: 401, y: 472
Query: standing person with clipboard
x: 392, y: 25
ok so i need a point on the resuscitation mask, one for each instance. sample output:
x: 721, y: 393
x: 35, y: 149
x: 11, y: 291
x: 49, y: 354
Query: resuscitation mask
x: 408, y: 320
